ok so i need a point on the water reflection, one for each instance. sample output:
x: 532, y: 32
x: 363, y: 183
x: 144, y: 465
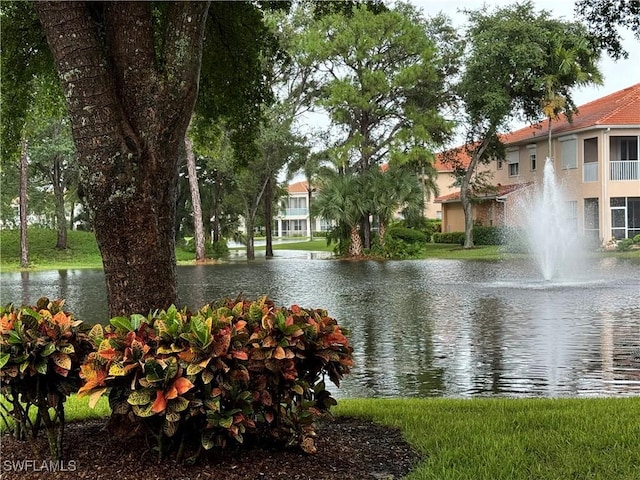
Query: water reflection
x: 427, y: 328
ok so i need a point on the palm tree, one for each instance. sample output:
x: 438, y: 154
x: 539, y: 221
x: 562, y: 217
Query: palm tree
x: 393, y: 191
x: 340, y: 199
x: 568, y: 70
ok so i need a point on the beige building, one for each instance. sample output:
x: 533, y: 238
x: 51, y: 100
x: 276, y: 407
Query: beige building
x: 596, y: 158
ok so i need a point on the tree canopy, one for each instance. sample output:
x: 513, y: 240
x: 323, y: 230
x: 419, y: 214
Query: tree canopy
x: 520, y: 64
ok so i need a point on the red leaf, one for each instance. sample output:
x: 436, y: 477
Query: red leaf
x: 160, y: 403
x: 240, y: 355
x: 182, y: 385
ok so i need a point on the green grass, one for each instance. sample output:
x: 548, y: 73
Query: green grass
x: 83, y: 251
x: 495, y: 439
x: 514, y: 439
x: 75, y: 409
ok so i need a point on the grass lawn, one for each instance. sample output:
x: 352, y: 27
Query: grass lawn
x: 494, y: 439
x: 83, y: 250
x: 513, y: 439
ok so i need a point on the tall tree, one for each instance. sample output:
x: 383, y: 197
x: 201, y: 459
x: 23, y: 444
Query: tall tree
x: 52, y: 154
x: 603, y: 17
x: 520, y: 49
x: 380, y: 84
x: 198, y: 227
x: 129, y: 72
x: 24, y: 241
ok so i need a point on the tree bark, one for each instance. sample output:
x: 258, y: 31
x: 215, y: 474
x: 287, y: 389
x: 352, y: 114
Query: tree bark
x: 198, y: 227
x: 24, y: 174
x: 268, y: 218
x: 465, y: 190
x: 58, y: 192
x: 130, y: 106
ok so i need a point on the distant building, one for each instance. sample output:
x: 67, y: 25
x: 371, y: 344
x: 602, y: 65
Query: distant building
x: 293, y: 219
x: 596, y: 159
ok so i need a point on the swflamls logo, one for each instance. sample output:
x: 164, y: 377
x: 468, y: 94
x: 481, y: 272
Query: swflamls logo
x: 30, y: 465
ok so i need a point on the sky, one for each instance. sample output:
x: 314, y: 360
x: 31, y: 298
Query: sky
x: 617, y: 75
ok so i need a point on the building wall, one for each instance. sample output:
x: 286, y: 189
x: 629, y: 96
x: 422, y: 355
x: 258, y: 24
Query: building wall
x: 575, y: 177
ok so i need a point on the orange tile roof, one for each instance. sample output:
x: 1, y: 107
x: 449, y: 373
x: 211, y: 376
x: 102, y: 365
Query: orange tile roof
x: 619, y: 108
x: 298, y: 187
x: 500, y: 191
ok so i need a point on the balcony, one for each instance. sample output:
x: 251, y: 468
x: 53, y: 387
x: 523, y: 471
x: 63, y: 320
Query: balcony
x: 295, y: 212
x: 624, y: 170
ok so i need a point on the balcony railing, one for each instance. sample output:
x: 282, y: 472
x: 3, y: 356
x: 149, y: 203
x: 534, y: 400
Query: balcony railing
x: 295, y: 212
x: 590, y: 172
x: 624, y: 170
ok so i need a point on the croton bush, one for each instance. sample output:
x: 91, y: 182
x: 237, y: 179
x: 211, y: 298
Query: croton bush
x: 233, y: 370
x: 41, y: 350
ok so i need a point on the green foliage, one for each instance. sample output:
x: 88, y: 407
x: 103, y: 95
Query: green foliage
x: 232, y: 369
x: 213, y: 250
x: 624, y: 245
x: 41, y: 350
x: 485, y: 235
x: 449, y: 237
x: 398, y: 249
x: 603, y: 18
x: 405, y: 234
x: 482, y: 236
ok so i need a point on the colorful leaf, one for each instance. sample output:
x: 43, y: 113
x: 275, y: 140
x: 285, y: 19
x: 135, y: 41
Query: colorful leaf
x: 160, y: 403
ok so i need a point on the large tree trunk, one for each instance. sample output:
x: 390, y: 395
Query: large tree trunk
x: 24, y: 175
x: 130, y: 106
x: 198, y: 227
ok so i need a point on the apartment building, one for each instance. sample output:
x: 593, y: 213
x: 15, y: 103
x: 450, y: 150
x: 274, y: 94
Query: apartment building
x: 596, y: 159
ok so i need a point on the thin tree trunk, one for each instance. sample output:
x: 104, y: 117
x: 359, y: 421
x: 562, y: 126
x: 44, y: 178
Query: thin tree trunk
x: 268, y: 217
x: 217, y: 194
x: 309, y: 195
x: 198, y: 227
x: 549, y: 139
x: 465, y: 190
x: 58, y: 193
x: 24, y: 243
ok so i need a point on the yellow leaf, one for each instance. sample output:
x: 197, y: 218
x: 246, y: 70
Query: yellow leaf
x: 62, y: 360
x: 95, y: 396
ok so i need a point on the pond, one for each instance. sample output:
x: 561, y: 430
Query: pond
x: 427, y: 327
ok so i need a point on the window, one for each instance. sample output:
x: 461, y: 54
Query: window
x: 533, y: 164
x: 569, y: 152
x: 513, y: 162
x: 592, y: 219
x: 629, y: 148
x: 625, y: 217
x: 499, y: 163
x: 572, y: 214
x: 590, y: 161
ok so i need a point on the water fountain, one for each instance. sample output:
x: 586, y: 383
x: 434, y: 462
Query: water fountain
x: 550, y: 231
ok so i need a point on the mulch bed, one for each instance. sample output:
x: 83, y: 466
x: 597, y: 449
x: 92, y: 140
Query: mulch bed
x: 348, y: 449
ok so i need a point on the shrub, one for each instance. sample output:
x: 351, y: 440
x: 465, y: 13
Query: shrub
x: 408, y: 235
x: 41, y: 350
x: 481, y: 236
x: 234, y: 368
x: 624, y: 245
x: 488, y: 235
x: 449, y: 237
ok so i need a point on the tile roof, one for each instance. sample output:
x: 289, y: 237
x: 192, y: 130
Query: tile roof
x: 620, y: 108
x: 298, y: 187
x: 499, y: 191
